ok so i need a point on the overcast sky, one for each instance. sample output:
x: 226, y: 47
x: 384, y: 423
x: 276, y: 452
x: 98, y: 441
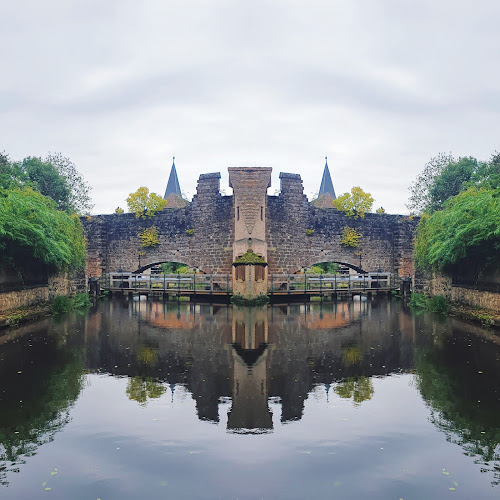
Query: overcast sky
x: 120, y: 86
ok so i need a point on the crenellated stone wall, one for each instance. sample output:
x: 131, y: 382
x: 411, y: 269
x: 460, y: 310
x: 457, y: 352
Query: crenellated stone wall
x: 386, y: 242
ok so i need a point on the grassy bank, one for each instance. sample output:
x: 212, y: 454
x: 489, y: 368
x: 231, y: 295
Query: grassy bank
x: 60, y: 305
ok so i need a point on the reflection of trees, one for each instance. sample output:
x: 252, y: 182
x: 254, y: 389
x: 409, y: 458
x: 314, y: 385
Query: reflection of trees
x: 140, y: 389
x: 47, y: 392
x: 359, y: 389
x: 463, y: 404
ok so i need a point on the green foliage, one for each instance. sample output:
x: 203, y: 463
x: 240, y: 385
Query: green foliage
x: 149, y: 237
x: 175, y: 268
x: 350, y: 237
x: 451, y: 181
x: 419, y: 301
x: 80, y: 301
x: 309, y: 232
x: 326, y: 268
x: 466, y: 230
x: 260, y: 300
x: 143, y: 203
x: 437, y: 304
x: 118, y: 210
x: 54, y: 176
x: 32, y: 229
x: 356, y: 203
x: 444, y: 177
x: 420, y: 189
x: 359, y: 389
x: 48, y: 390
x: 380, y: 210
x: 141, y: 389
x: 249, y: 258
x: 63, y: 304
x: 190, y: 232
x: 463, y: 402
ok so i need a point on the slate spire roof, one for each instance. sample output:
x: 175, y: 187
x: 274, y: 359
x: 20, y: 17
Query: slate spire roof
x: 173, y: 183
x: 326, y: 182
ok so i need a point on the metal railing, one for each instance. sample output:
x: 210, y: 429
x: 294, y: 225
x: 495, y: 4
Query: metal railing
x: 328, y: 283
x: 168, y: 283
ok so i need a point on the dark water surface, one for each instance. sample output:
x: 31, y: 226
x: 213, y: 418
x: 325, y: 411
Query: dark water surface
x: 139, y: 400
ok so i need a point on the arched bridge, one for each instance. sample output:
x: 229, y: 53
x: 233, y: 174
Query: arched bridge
x: 295, y: 234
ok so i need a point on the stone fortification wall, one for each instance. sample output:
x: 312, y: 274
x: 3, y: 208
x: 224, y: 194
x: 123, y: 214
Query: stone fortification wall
x: 113, y: 241
x: 386, y: 241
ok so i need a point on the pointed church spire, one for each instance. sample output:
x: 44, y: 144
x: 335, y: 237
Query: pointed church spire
x: 173, y: 182
x: 326, y: 182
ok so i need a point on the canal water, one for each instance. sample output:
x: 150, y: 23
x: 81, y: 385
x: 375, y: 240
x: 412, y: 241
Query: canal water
x: 144, y: 399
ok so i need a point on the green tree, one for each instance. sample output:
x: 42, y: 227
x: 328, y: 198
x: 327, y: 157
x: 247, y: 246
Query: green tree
x: 444, y: 177
x: 143, y: 203
x: 32, y: 229
x: 79, y: 191
x: 452, y: 180
x: 45, y: 178
x: 54, y: 176
x: 419, y: 199
x: 465, y: 232
x: 356, y: 203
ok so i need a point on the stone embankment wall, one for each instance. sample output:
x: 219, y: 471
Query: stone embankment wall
x: 33, y: 296
x: 466, y: 295
x: 113, y: 241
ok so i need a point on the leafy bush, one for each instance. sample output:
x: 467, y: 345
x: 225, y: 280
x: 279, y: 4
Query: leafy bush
x: 466, y: 230
x: 80, y: 301
x: 419, y: 301
x: 33, y: 230
x: 356, y: 203
x: 63, y: 304
x: 439, y: 305
x: 143, y: 203
x: 149, y: 237
x: 350, y: 237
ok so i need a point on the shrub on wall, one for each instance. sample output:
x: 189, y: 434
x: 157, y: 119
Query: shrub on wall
x: 350, y: 237
x: 143, y: 203
x: 356, y: 203
x: 149, y: 237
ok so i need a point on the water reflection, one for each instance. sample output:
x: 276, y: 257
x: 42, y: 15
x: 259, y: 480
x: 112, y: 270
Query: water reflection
x: 251, y: 371
x: 41, y: 376
x: 458, y: 377
x: 249, y: 355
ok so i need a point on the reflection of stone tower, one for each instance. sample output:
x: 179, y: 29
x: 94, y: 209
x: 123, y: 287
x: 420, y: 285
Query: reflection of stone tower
x: 249, y: 411
x: 250, y: 205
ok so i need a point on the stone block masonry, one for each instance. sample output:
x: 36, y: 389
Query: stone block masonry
x: 297, y: 234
